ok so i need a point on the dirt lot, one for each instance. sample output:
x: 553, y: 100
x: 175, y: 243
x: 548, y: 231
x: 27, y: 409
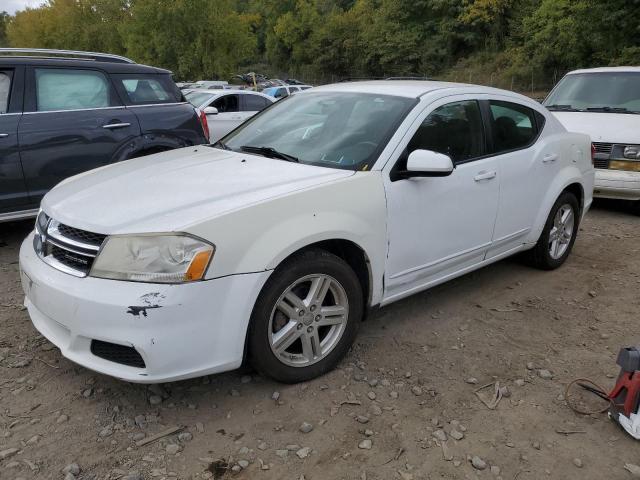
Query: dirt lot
x: 407, y: 377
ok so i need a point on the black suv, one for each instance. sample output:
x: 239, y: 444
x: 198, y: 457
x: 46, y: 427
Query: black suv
x: 60, y: 116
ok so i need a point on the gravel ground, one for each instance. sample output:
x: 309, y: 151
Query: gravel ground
x: 402, y: 405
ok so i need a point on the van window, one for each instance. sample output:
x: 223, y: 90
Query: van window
x: 68, y: 89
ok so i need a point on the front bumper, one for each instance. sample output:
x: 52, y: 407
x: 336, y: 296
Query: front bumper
x: 180, y: 331
x: 617, y: 184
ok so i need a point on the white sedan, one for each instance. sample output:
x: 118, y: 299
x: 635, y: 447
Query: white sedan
x: 274, y: 244
x: 224, y: 110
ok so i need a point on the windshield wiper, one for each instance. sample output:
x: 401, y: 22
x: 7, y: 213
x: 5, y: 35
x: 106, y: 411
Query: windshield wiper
x: 269, y: 152
x: 611, y: 110
x: 564, y: 108
x: 220, y: 144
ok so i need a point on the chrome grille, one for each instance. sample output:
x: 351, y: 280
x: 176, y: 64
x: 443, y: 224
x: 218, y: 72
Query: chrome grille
x: 66, y: 248
x: 603, y: 147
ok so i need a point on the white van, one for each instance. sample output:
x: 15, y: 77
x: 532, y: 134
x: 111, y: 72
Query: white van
x: 604, y: 103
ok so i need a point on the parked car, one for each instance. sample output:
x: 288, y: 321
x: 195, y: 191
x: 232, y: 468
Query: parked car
x: 604, y: 103
x: 275, y: 242
x: 62, y: 116
x: 211, y: 84
x: 225, y: 110
x: 284, y: 91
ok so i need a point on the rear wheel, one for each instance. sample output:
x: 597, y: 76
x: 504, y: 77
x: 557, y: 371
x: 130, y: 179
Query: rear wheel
x: 559, y: 234
x: 305, y: 318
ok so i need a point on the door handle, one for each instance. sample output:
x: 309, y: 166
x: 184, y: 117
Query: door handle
x: 485, y: 176
x: 550, y: 157
x: 4, y: 135
x: 116, y: 125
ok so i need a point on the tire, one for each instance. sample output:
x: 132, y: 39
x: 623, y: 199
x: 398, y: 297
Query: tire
x: 295, y: 336
x: 546, y: 255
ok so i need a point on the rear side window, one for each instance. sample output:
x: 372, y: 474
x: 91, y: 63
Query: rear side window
x: 255, y: 103
x: 68, y: 89
x: 5, y: 88
x: 514, y: 126
x: 149, y: 89
x: 281, y: 93
x: 455, y: 129
x: 293, y: 89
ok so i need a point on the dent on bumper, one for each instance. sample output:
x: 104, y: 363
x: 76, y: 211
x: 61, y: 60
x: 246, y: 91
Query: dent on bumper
x: 617, y: 184
x: 181, y: 331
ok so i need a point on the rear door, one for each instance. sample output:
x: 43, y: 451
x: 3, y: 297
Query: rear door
x: 13, y: 190
x: 528, y: 165
x: 73, y: 122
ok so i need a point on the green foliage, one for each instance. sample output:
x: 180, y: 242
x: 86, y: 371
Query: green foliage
x: 494, y: 41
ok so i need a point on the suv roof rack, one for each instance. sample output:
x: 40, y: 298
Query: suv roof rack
x: 43, y: 52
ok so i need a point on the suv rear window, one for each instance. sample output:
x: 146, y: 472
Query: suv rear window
x: 148, y: 89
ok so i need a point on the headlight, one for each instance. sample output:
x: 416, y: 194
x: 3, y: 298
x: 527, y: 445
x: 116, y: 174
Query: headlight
x: 153, y: 258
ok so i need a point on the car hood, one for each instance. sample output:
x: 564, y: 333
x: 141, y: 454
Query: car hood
x: 172, y: 190
x: 603, y: 127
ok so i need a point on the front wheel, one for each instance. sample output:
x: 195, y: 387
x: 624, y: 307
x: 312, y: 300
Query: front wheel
x: 305, y: 318
x: 559, y: 234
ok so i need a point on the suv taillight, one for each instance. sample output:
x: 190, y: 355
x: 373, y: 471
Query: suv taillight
x: 205, y: 124
x: 593, y: 154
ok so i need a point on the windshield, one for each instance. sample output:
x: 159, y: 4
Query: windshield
x: 329, y: 129
x: 197, y: 98
x: 618, y: 92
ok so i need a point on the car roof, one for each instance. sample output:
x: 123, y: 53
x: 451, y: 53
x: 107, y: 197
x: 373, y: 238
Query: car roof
x: 224, y: 91
x: 411, y: 88
x: 606, y: 70
x: 110, y: 67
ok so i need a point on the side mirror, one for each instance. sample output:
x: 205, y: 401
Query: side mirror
x: 210, y: 111
x: 425, y: 163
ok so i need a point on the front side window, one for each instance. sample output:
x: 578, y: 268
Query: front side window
x: 454, y: 129
x: 5, y: 89
x: 226, y: 104
x: 610, y: 92
x: 149, y: 89
x: 513, y: 125
x: 68, y: 89
x: 330, y: 129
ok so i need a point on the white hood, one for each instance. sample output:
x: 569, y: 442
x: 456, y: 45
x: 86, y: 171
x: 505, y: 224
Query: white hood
x: 171, y: 190
x: 603, y: 127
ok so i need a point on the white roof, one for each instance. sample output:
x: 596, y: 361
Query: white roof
x: 224, y: 91
x: 606, y: 70
x: 407, y: 88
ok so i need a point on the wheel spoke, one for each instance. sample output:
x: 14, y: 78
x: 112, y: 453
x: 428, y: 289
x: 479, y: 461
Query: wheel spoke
x: 294, y: 300
x: 565, y: 215
x: 333, y: 315
x: 284, y: 337
x: 311, y: 345
x: 318, y: 290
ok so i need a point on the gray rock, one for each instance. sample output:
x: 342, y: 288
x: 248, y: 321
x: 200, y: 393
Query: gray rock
x: 282, y: 453
x: 519, y: 382
x: 456, y: 435
x: 478, y: 463
x: 495, y: 470
x: 472, y: 380
x: 371, y: 395
x: 440, y: 434
x: 33, y: 440
x: 303, y: 452
x: 365, y: 444
x: 417, y: 391
x: 293, y: 447
x: 173, y: 448
x: 531, y: 366
x: 155, y: 399
x: 234, y: 469
x: 262, y: 446
x: 106, y: 431
x: 185, y: 437
x: 69, y: 476
x: 373, y: 382
x: 578, y: 462
x: 200, y: 427
x: 62, y: 419
x: 375, y: 409
x: 362, y: 419
x: 133, y: 476
x: 72, y: 468
x: 86, y: 393
x: 136, y: 437
x: 393, y: 394
x: 545, y: 374
x: 275, y: 396
x: 306, y: 427
x: 243, y: 463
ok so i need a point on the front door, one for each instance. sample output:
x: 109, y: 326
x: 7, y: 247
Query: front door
x: 440, y: 226
x: 73, y: 122
x: 227, y: 118
x: 14, y: 196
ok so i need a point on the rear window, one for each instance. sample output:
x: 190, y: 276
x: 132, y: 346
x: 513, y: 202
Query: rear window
x: 148, y: 89
x: 198, y: 99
